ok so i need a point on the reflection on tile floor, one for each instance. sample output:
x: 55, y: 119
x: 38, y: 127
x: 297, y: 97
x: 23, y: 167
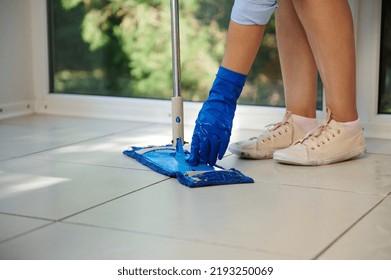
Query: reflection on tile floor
x: 67, y: 192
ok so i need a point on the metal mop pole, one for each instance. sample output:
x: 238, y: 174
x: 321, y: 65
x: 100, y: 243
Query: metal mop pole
x: 176, y: 100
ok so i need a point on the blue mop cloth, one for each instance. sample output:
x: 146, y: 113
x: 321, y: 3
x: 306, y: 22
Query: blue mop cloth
x: 158, y: 158
x: 195, y: 179
x: 173, y: 162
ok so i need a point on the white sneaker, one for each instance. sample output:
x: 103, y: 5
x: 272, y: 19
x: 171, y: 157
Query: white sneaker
x: 278, y: 136
x: 329, y: 143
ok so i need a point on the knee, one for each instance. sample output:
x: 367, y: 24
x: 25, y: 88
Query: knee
x: 253, y: 12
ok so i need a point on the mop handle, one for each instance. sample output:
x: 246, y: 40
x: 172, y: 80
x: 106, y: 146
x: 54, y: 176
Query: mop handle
x: 176, y: 100
x: 175, y: 41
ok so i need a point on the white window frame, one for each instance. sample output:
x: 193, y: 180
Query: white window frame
x: 367, y: 17
x: 368, y: 34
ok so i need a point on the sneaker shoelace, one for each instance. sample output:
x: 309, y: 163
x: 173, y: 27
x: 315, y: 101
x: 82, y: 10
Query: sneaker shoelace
x: 274, y: 130
x: 320, y: 135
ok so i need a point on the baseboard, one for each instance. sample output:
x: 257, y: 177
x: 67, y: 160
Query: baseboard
x: 11, y: 110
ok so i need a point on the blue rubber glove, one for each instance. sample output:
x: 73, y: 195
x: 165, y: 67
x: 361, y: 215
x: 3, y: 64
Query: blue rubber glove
x: 214, y: 123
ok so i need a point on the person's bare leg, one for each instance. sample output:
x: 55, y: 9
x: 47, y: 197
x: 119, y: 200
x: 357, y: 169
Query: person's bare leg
x: 243, y: 42
x: 329, y: 28
x: 299, y: 75
x: 298, y: 66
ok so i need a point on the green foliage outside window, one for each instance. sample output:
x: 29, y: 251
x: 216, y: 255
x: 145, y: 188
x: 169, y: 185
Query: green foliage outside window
x: 123, y: 48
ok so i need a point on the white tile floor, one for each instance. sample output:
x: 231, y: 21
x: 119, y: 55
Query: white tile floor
x: 67, y: 192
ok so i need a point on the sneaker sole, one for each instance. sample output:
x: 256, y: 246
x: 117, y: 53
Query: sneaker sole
x: 252, y: 154
x: 357, y: 153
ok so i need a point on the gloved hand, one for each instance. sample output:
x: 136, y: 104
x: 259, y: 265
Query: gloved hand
x: 214, y: 123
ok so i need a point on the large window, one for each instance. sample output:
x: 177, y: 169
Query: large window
x: 385, y: 61
x: 123, y: 48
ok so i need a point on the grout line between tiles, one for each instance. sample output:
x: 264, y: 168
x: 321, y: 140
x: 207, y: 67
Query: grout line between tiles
x: 26, y: 216
x: 91, y: 164
x: 78, y: 119
x: 378, y: 153
x: 77, y: 142
x: 179, y: 238
x: 325, y: 189
x: 349, y: 228
x: 111, y: 200
x: 27, y: 232
x: 52, y: 222
x: 5, y: 159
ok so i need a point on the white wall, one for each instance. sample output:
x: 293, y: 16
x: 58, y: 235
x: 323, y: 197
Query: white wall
x: 16, y: 76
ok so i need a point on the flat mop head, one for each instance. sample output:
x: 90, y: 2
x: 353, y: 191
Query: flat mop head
x: 172, y: 162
